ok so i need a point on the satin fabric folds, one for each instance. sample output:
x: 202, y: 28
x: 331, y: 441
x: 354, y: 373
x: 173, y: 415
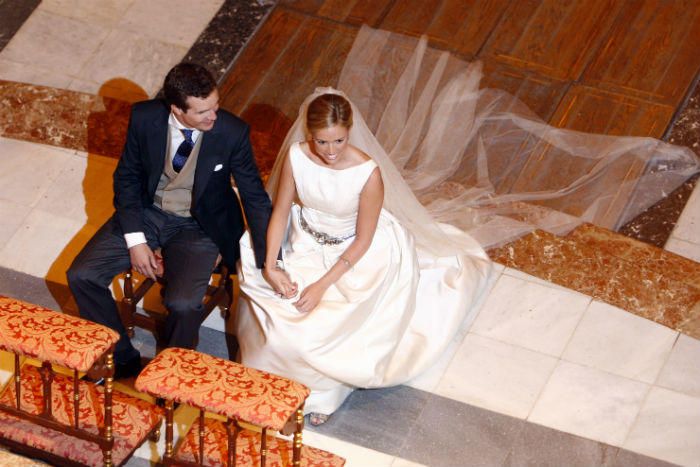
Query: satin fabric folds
x: 384, y: 322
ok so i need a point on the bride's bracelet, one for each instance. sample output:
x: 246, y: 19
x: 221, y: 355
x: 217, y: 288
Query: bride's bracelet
x: 345, y: 261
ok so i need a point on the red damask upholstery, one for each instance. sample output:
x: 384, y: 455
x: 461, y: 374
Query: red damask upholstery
x: 279, y: 451
x: 223, y: 387
x: 35, y: 331
x: 133, y: 419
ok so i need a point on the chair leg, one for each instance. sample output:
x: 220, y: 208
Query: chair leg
x: 128, y: 304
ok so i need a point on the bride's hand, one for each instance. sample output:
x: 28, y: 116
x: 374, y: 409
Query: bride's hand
x: 310, y: 297
x: 280, y: 282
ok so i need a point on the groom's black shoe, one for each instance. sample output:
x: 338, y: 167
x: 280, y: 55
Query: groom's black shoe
x: 127, y: 369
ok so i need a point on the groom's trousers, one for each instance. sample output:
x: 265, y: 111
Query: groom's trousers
x: 189, y: 256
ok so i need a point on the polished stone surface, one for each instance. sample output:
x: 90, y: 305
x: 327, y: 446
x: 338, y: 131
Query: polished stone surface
x: 656, y: 223
x: 226, y: 34
x: 615, y: 269
x: 13, y: 14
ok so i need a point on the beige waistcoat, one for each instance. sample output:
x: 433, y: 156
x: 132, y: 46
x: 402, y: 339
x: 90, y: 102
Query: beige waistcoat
x: 174, y: 191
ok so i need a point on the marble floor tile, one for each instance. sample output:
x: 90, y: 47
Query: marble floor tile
x: 453, y: 434
x: 32, y: 74
x: 12, y: 16
x: 399, y: 462
x: 32, y: 289
x: 684, y: 248
x: 539, y: 446
x: 173, y: 21
x: 12, y: 215
x: 132, y: 56
x: 105, y: 13
x: 45, y: 245
x: 28, y: 169
x: 537, y: 317
x: 667, y: 428
x: 369, y: 417
x: 355, y: 456
x: 57, y: 43
x: 627, y: 458
x: 496, y: 376
x: 682, y: 370
x: 227, y: 33
x: 619, y: 342
x: 688, y: 225
x: 83, y: 190
x: 590, y: 403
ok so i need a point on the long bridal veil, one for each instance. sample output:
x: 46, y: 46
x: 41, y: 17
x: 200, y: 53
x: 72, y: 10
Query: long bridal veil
x: 478, y: 159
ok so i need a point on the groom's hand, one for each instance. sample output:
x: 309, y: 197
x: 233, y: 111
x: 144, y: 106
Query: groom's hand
x: 280, y: 282
x: 143, y: 260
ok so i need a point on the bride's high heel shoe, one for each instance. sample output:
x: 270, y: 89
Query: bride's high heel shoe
x: 317, y: 419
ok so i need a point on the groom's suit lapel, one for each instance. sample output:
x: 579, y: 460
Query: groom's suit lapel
x: 157, y: 142
x: 206, y: 161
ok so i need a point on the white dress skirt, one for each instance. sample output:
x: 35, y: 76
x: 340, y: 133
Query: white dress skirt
x: 383, y: 322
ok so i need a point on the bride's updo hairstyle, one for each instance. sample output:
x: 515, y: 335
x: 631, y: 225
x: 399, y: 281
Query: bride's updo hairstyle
x: 328, y: 110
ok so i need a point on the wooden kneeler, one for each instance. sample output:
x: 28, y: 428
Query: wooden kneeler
x: 240, y: 395
x: 64, y: 419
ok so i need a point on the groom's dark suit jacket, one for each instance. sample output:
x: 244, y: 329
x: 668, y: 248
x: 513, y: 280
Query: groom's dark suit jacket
x: 225, y: 150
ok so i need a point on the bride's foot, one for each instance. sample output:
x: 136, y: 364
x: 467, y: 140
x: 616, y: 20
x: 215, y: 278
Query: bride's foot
x: 317, y: 419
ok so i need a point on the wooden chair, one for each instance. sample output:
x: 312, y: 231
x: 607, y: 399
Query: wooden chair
x: 219, y: 293
x: 239, y: 395
x: 59, y: 418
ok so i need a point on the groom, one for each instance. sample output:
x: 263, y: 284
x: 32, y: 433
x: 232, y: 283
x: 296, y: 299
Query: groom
x: 172, y: 190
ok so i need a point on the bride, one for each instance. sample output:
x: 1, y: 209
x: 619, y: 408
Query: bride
x: 353, y: 302
x: 381, y: 236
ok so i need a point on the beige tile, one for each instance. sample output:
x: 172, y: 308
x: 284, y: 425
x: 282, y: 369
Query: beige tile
x: 56, y: 43
x: 12, y: 215
x: 177, y: 22
x: 32, y: 74
x: 496, y: 376
x: 620, y: 342
x: 133, y: 56
x: 356, y: 456
x: 80, y: 85
x: 83, y: 190
x: 531, y: 315
x: 590, y: 403
x: 28, y: 169
x: 682, y: 370
x: 668, y: 428
x: 105, y: 13
x: 683, y: 248
x: 45, y: 245
x: 399, y: 462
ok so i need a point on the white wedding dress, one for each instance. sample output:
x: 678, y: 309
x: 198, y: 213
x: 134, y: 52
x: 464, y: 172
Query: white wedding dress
x: 382, y: 323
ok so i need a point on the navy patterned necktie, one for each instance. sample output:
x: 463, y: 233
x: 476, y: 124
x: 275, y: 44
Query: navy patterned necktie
x: 183, y: 151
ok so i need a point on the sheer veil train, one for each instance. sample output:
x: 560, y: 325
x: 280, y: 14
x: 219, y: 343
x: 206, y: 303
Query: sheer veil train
x: 479, y: 159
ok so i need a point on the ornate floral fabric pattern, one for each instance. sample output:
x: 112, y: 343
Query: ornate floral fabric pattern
x: 48, y: 335
x: 132, y: 419
x: 223, y: 387
x: 279, y: 451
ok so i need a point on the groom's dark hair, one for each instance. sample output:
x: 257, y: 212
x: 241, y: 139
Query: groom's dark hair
x: 187, y: 80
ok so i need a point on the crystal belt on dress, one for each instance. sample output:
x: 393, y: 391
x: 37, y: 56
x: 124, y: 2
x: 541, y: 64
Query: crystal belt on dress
x: 321, y: 237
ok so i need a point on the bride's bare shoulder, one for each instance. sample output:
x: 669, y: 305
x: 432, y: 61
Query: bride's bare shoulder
x: 358, y: 155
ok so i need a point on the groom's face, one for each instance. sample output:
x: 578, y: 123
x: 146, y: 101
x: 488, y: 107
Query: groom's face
x: 200, y: 113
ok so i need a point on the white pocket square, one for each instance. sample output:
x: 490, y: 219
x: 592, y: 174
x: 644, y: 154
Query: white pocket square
x: 218, y: 167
